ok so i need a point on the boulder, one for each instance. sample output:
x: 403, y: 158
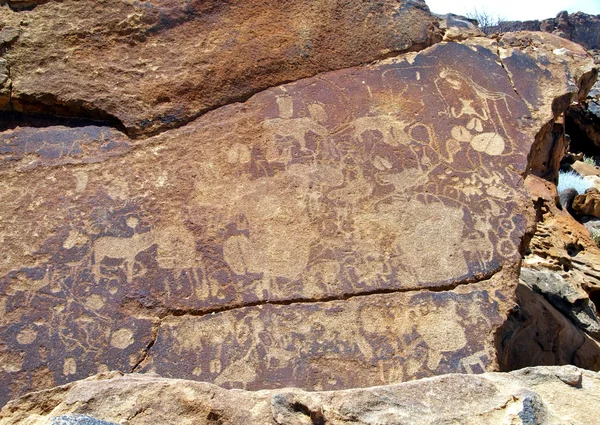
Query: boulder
x: 549, y: 395
x: 566, y: 197
x: 584, y: 169
x: 571, y: 300
x: 587, y: 204
x: 152, y: 65
x: 361, y: 227
x: 459, y: 28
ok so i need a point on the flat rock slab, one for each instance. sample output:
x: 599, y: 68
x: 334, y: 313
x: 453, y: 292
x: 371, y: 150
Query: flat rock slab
x: 401, y: 176
x: 548, y: 395
x: 356, y: 227
x: 152, y: 65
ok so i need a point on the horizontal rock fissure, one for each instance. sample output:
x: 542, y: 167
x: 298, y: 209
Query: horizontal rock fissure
x: 146, y: 352
x: 167, y: 312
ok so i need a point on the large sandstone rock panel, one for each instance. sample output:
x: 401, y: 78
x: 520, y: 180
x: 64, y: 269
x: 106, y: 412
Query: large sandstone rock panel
x: 153, y: 65
x: 541, y: 395
x: 399, y: 176
x: 387, y: 194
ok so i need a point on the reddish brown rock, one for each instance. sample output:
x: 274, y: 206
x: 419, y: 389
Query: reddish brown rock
x: 290, y: 201
x: 543, y: 58
x: 363, y: 341
x: 362, y: 226
x: 154, y: 65
x: 560, y: 283
x: 548, y: 395
x: 587, y: 204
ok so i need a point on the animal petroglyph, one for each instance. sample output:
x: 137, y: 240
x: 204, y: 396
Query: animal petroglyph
x: 279, y: 232
x: 392, y: 130
x: 176, y: 249
x: 125, y: 249
x: 475, y: 363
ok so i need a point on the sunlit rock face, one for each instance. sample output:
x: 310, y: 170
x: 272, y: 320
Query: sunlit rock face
x: 550, y: 395
x: 360, y: 227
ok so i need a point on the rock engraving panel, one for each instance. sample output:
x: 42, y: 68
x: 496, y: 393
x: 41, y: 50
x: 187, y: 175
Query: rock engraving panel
x: 404, y: 175
x: 371, y: 340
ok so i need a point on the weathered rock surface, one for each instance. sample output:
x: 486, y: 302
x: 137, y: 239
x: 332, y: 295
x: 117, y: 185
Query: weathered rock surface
x: 571, y: 300
x: 587, y: 204
x: 151, y: 65
x: 458, y: 28
x: 548, y: 395
x: 288, y: 240
x: 543, y: 57
x: 560, y: 281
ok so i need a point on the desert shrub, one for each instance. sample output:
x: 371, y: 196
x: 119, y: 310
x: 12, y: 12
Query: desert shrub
x: 589, y: 160
x: 567, y: 179
x: 595, y: 234
x: 487, y: 22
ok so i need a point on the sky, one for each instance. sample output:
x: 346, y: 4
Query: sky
x: 516, y: 10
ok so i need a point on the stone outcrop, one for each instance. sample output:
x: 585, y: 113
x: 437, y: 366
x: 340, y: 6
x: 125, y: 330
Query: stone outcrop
x: 579, y: 27
x: 526, y: 57
x: 548, y: 395
x: 148, y: 66
x: 560, y: 281
x: 288, y: 240
x: 587, y: 204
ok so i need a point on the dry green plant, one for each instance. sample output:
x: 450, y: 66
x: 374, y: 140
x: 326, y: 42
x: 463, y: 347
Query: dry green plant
x: 487, y: 22
x: 595, y: 236
x: 589, y: 160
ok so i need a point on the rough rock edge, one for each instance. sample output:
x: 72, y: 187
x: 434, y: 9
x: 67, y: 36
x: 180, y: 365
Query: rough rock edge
x: 550, y: 395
